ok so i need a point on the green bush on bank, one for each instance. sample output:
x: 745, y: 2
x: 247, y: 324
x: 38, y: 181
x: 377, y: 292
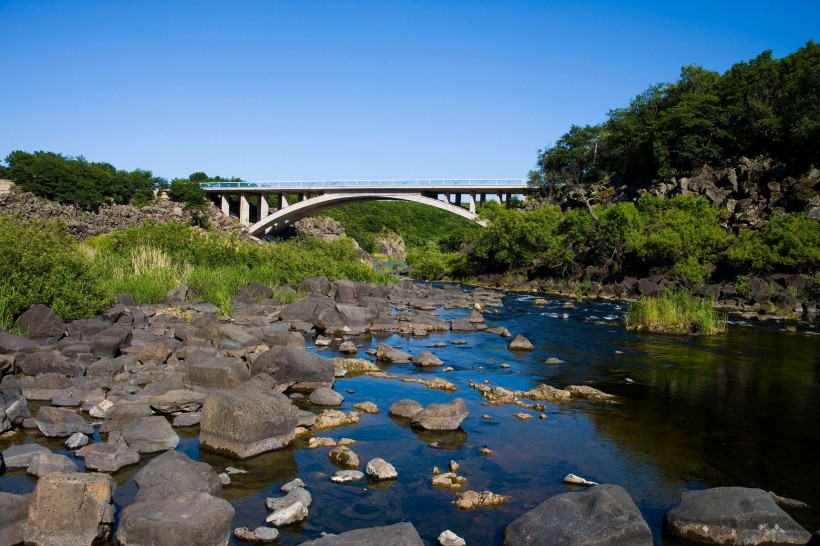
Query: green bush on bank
x: 40, y: 262
x: 675, y: 313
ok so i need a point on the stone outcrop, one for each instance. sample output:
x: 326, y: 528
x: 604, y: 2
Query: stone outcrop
x: 603, y: 516
x: 733, y: 515
x: 248, y: 420
x: 68, y: 509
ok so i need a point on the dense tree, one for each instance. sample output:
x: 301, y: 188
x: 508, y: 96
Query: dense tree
x: 77, y: 181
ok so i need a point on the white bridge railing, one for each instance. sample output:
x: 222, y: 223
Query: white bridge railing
x: 509, y: 183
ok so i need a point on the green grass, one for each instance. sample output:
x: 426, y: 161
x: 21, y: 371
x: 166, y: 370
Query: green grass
x: 675, y: 313
x: 40, y: 262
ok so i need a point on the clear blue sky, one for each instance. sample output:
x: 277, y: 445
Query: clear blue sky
x: 349, y: 89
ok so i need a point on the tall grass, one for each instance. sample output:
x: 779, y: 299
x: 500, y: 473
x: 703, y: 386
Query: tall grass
x: 675, y: 313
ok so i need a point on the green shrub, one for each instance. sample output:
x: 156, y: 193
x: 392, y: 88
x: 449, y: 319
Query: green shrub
x: 430, y: 264
x: 40, y: 262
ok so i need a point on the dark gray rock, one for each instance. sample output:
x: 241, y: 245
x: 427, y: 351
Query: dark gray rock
x: 405, y: 408
x: 150, y: 434
x: 733, y: 515
x: 441, y: 416
x: 399, y: 534
x: 20, y: 456
x: 108, y: 456
x: 316, y: 285
x: 301, y: 370
x: 102, y: 372
x: 250, y: 294
x: 44, y: 386
x: 180, y: 520
x: 48, y: 362
x: 41, y: 324
x: 177, y: 400
x: 13, y: 514
x: 324, y: 396
x: 306, y: 310
x: 187, y: 419
x: 274, y: 335
x: 85, y: 329
x: 70, y: 509
x: 344, y: 319
x: 174, y: 472
x: 45, y: 463
x: 11, y: 344
x: 602, y: 516
x: 386, y: 353
x: 248, y: 420
x: 426, y: 359
x: 13, y: 409
x: 61, y: 422
x: 123, y: 413
x: 207, y: 370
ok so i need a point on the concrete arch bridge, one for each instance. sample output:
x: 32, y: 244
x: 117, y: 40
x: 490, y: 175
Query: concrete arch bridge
x: 256, y: 213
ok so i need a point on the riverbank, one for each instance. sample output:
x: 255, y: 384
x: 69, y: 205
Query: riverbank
x: 183, y: 354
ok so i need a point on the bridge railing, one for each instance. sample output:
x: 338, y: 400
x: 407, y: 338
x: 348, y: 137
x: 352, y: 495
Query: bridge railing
x: 511, y: 183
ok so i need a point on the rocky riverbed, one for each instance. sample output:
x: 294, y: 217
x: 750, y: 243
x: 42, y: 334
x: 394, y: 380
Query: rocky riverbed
x: 165, y: 423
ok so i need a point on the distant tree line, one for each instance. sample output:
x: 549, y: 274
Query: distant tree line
x: 77, y: 181
x: 767, y: 107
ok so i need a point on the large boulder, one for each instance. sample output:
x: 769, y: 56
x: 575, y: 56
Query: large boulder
x: 45, y: 386
x: 191, y: 517
x: 20, y: 456
x: 248, y: 420
x: 48, y: 362
x: 13, y: 514
x: 733, y: 515
x: 204, y: 369
x: 404, y: 408
x: 68, y: 509
x: 300, y: 370
x: 174, y: 472
x: 426, y: 359
x: 603, y: 516
x: 11, y: 344
x: 108, y: 456
x: 386, y: 353
x: 46, y: 463
x: 324, y: 396
x: 61, y: 422
x: 13, y: 409
x: 41, y: 324
x: 399, y: 534
x: 441, y: 416
x: 150, y: 434
x: 177, y: 400
x: 307, y: 309
x: 344, y: 319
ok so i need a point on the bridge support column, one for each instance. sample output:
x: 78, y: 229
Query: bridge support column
x: 264, y: 209
x: 500, y: 196
x: 458, y: 200
x: 225, y: 205
x: 472, y: 202
x: 244, y: 210
x: 282, y: 200
x: 483, y: 197
x: 303, y: 197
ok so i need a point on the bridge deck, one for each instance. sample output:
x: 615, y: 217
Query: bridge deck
x: 418, y: 185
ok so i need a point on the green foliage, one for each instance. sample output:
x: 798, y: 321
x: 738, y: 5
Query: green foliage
x: 515, y: 239
x: 675, y: 313
x: 40, y: 262
x: 416, y: 223
x: 431, y: 264
x: 187, y: 192
x: 76, y: 181
x: 788, y: 243
x: 765, y: 107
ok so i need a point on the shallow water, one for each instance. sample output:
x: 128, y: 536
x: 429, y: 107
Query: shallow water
x: 740, y: 409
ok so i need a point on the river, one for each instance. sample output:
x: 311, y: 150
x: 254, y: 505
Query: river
x: 692, y: 412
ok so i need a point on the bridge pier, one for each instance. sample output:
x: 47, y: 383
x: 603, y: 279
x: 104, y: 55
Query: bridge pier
x: 282, y: 200
x: 244, y: 210
x: 264, y: 208
x: 225, y: 205
x: 472, y: 202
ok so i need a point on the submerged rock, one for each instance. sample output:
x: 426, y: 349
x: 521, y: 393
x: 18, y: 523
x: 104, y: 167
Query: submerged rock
x: 733, y: 515
x: 335, y: 418
x: 589, y: 393
x: 399, y: 534
x: 343, y: 476
x: 344, y: 456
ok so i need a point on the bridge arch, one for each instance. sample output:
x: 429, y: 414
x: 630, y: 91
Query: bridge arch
x: 284, y: 217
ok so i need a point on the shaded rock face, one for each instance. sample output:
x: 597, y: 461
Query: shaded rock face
x: 603, y: 516
x: 441, y: 416
x: 189, y: 518
x: 61, y: 422
x: 41, y: 324
x: 174, y: 472
x: 733, y: 515
x: 298, y: 369
x: 246, y: 421
x: 399, y: 534
x: 69, y: 509
x: 13, y: 514
x: 392, y: 245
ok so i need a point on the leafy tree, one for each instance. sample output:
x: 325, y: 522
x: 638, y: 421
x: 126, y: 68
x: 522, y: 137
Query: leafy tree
x: 572, y: 161
x: 187, y: 192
